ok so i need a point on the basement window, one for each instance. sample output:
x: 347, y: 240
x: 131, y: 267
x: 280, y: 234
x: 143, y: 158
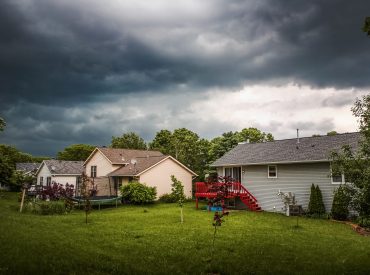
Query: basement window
x: 337, y: 179
x: 272, y: 171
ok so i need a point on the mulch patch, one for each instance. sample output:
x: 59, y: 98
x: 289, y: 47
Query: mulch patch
x: 360, y: 230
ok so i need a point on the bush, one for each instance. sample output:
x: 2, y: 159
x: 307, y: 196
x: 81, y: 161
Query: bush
x: 49, y: 207
x: 364, y: 222
x: 138, y: 193
x: 167, y: 198
x: 341, y: 200
x: 316, y: 205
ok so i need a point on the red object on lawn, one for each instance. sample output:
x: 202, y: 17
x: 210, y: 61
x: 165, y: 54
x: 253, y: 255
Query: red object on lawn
x: 235, y: 190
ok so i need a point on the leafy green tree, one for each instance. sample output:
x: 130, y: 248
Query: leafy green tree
x: 18, y: 178
x: 178, y: 193
x: 76, y: 152
x: 220, y: 145
x: 129, y: 140
x: 332, y: 133
x: 6, y: 171
x: 356, y: 165
x: 254, y: 135
x: 2, y: 124
x: 163, y: 142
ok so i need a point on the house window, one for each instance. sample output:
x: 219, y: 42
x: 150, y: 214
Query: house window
x: 48, y: 181
x: 272, y: 171
x: 337, y: 179
x: 93, y: 171
x: 233, y: 172
x: 41, y: 180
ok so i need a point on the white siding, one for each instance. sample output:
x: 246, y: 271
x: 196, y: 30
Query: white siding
x: 43, y: 172
x: 295, y: 178
x: 103, y: 166
x: 64, y: 180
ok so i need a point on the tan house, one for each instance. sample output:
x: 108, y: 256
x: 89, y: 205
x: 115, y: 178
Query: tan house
x: 110, y: 168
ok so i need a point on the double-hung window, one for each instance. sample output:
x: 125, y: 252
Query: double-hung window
x: 41, y: 180
x: 48, y: 181
x: 93, y: 171
x: 272, y: 171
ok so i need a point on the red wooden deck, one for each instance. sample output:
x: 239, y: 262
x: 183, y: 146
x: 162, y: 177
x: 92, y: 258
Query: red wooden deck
x: 235, y: 190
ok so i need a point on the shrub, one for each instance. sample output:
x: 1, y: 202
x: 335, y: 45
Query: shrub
x: 316, y: 205
x: 167, y: 198
x: 364, y: 221
x: 138, y: 193
x: 341, y: 200
x: 57, y: 191
x: 49, y: 207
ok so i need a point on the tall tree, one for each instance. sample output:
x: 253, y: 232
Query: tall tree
x: 163, y: 142
x: 129, y: 140
x: 356, y: 165
x: 76, y: 152
x: 254, y: 135
x: 2, y: 124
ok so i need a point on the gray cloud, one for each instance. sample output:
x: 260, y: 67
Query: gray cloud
x: 59, y: 61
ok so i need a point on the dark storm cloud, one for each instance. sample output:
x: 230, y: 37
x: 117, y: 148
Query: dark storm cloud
x: 72, y: 54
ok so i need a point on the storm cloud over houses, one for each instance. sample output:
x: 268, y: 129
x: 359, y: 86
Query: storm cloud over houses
x: 82, y: 71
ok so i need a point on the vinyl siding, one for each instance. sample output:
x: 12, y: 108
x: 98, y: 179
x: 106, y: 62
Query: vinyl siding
x: 295, y: 178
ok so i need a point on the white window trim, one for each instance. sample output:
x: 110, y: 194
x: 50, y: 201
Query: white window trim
x: 268, y: 172
x: 336, y: 182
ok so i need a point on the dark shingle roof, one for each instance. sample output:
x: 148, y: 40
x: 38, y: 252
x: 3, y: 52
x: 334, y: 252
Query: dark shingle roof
x: 27, y: 166
x: 122, y: 156
x: 288, y: 150
x: 142, y: 163
x: 64, y: 167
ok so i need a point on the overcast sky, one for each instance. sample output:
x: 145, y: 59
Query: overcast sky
x: 77, y: 71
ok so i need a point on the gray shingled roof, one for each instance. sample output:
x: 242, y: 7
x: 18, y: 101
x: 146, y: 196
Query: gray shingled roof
x: 27, y: 166
x: 288, y: 150
x: 63, y: 167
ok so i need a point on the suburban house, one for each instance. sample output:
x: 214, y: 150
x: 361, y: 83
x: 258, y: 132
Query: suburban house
x: 111, y: 167
x: 27, y: 168
x: 60, y: 171
x: 289, y: 165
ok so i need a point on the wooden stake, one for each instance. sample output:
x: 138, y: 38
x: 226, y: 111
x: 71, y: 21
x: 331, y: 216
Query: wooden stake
x: 22, y: 201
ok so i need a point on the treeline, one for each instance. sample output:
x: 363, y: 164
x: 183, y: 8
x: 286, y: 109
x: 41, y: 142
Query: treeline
x: 183, y: 144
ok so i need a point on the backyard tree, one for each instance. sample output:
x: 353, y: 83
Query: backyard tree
x: 355, y: 165
x: 78, y: 152
x: 163, y: 142
x: 129, y: 140
x: 86, y: 190
x: 178, y: 193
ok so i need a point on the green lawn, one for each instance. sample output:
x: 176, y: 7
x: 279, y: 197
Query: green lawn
x: 150, y: 239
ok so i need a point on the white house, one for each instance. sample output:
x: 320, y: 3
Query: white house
x: 110, y: 168
x: 59, y: 171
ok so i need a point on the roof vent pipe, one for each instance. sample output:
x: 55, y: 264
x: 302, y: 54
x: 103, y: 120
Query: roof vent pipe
x: 297, y: 136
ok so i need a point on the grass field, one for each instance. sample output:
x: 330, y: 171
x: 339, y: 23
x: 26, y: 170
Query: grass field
x: 150, y: 239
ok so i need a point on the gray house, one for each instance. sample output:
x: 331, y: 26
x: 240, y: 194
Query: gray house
x: 289, y: 165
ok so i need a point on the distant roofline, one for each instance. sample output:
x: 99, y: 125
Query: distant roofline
x: 273, y: 162
x: 300, y: 138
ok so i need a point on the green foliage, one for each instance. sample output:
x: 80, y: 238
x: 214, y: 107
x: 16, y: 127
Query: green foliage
x: 86, y: 190
x: 316, y: 204
x: 163, y: 142
x: 366, y: 26
x: 341, y: 200
x: 138, y: 193
x: 177, y: 190
x: 167, y: 198
x: 77, y: 152
x: 6, y: 171
x: 364, y: 222
x: 18, y: 179
x: 2, y: 124
x: 47, y: 207
x: 129, y: 140
x: 356, y: 165
x: 332, y: 133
